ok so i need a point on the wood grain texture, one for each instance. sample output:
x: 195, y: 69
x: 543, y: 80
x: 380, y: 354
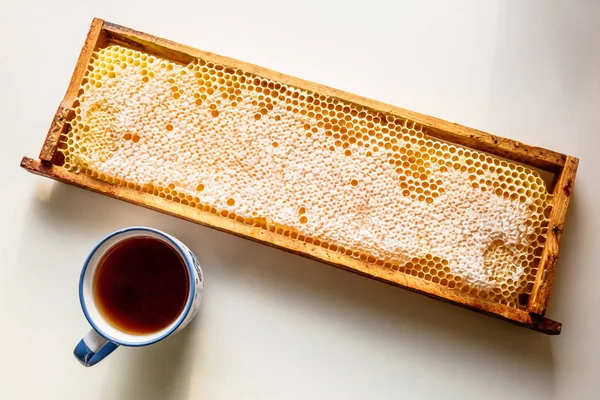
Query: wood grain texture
x: 64, y: 114
x: 102, y: 33
x: 563, y: 189
x: 318, y: 253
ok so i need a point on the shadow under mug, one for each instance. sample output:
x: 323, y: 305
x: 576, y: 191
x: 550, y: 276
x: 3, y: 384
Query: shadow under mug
x: 104, y: 338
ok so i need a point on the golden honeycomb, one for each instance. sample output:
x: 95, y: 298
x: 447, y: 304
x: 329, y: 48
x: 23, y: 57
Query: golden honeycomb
x: 311, y: 167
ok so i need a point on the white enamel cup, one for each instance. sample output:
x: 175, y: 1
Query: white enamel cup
x: 104, y: 338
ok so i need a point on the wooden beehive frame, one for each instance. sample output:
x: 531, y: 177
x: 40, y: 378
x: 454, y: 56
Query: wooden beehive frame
x: 564, y: 167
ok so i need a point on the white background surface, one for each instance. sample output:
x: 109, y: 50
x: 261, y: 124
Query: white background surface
x: 274, y: 325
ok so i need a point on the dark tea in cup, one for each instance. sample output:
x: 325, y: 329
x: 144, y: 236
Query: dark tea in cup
x: 141, y: 285
x: 137, y: 287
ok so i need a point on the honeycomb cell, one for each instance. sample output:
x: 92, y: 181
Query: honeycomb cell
x: 378, y: 189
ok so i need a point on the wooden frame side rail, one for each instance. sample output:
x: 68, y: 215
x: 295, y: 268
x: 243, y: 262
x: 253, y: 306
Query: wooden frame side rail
x: 563, y: 166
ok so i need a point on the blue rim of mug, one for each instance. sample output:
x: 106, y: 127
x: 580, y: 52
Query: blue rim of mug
x: 189, y: 264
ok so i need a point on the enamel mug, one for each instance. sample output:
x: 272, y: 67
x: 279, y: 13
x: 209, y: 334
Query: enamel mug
x: 104, y: 338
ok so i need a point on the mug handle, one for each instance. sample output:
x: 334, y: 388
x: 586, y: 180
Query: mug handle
x: 93, y: 348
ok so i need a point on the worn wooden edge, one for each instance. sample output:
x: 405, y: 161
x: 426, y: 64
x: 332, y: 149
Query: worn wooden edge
x: 64, y: 112
x: 508, y: 148
x: 563, y: 188
x: 318, y: 253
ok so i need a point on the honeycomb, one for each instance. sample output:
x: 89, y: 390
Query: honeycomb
x: 311, y: 167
